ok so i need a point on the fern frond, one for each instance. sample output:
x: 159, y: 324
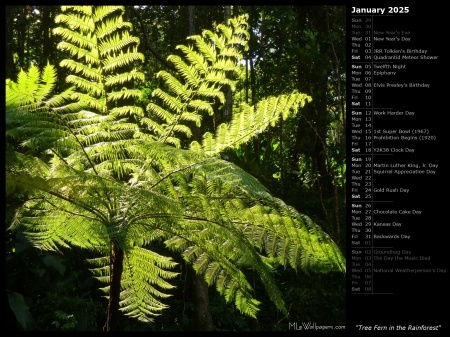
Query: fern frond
x: 203, y: 73
x: 91, y: 57
x: 193, y: 116
x: 249, y: 122
x: 87, y: 71
x: 231, y: 52
x: 116, y: 43
x: 225, y: 30
x: 218, y: 76
x: 219, y: 42
x: 208, y: 51
x: 31, y: 86
x: 127, y: 110
x: 56, y: 102
x: 101, y: 12
x: 124, y: 77
x: 95, y: 87
x: 173, y: 103
x: 144, y: 272
x: 111, y: 26
x: 189, y: 73
x: 121, y: 59
x: 111, y: 183
x: 228, y: 65
x: 213, y: 91
x: 89, y: 101
x: 153, y: 125
x: 29, y: 113
x: 124, y: 94
x: 85, y: 23
x: 49, y: 79
x: 42, y: 220
x: 196, y: 59
x: 179, y: 89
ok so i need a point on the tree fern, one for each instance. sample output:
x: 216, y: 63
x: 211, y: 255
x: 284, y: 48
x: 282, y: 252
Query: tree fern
x: 113, y: 188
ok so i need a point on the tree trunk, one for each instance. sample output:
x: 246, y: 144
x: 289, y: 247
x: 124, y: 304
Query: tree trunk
x: 115, y: 278
x: 227, y: 110
x: 202, y: 312
x: 226, y: 14
x: 9, y: 48
x: 312, y: 136
x: 21, y: 29
x: 47, y: 46
x: 191, y: 20
x: 203, y: 318
x: 252, y: 81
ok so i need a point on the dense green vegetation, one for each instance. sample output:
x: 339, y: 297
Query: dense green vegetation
x: 194, y: 178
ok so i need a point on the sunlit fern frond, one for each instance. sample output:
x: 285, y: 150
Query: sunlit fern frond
x: 251, y: 121
x: 83, y: 22
x: 42, y: 216
x: 101, y: 13
x: 29, y: 116
x: 31, y: 89
x: 104, y: 54
x: 144, y: 282
x: 75, y: 208
x: 203, y: 69
x: 225, y: 206
x: 124, y: 77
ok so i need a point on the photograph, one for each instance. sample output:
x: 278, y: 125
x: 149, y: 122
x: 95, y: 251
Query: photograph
x: 175, y: 168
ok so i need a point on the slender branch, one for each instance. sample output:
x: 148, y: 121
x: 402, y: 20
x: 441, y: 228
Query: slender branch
x: 154, y: 216
x: 84, y: 151
x: 147, y: 41
x: 79, y: 204
x: 180, y: 170
x: 65, y: 162
x: 73, y: 213
x: 77, y: 140
x: 163, y: 138
x: 285, y: 316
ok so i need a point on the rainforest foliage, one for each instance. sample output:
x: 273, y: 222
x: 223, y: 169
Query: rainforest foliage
x: 175, y: 167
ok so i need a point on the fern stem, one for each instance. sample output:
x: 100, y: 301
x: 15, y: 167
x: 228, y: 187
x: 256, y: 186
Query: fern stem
x: 80, y: 204
x: 180, y: 170
x: 116, y: 265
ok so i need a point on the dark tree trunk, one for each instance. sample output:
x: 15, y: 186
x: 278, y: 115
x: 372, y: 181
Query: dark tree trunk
x: 114, y: 288
x: 11, y: 72
x: 203, y: 318
x: 314, y: 123
x: 227, y: 110
x: 246, y: 80
x: 226, y: 14
x: 252, y: 82
x: 191, y: 20
x: 21, y: 28
x: 202, y: 312
x: 47, y: 46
